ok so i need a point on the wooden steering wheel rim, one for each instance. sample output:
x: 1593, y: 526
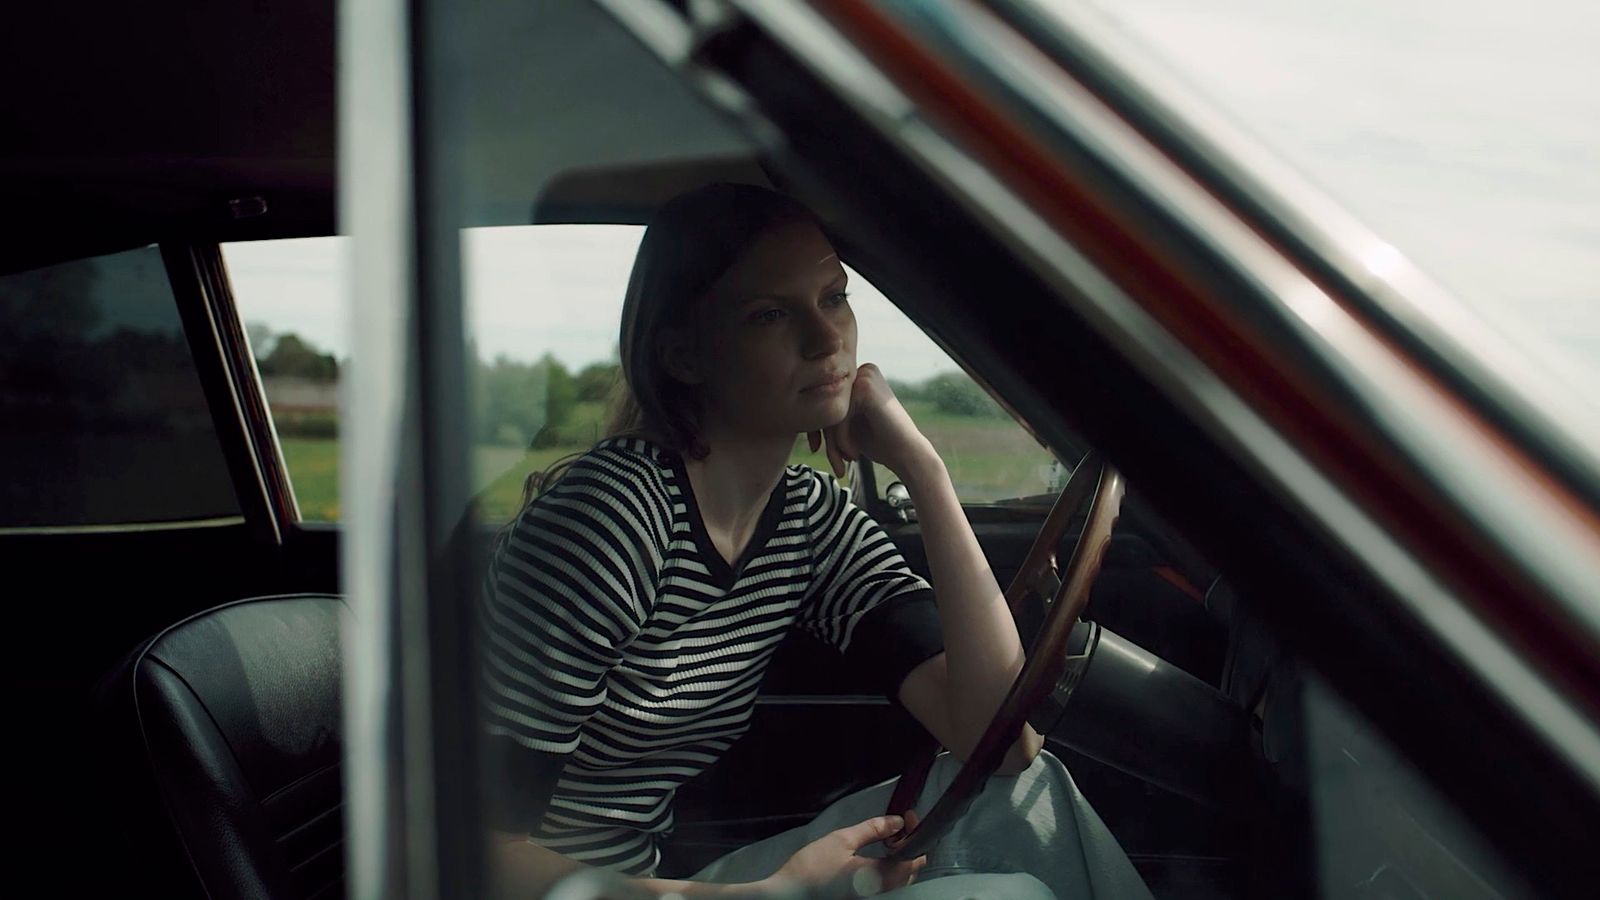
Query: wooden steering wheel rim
x: 1046, y: 660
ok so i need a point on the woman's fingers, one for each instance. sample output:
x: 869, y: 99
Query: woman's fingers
x: 876, y: 876
x: 836, y: 458
x: 894, y: 841
x: 874, y: 829
x: 900, y: 873
x: 832, y: 866
x: 828, y: 439
x: 843, y: 443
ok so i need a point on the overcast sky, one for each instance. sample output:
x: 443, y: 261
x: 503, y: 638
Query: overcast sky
x: 530, y: 290
x: 1466, y: 132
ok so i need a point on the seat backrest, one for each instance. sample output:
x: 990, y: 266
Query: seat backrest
x: 236, y: 711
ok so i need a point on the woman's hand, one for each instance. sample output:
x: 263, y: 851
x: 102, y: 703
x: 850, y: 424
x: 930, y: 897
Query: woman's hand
x: 829, y: 866
x: 876, y: 426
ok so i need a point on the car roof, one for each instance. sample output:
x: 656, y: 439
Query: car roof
x: 217, y: 122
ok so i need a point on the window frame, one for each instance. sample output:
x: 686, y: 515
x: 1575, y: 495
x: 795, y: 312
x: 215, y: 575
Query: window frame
x: 232, y: 386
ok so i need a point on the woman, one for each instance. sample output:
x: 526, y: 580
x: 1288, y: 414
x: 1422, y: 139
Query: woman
x: 633, y: 606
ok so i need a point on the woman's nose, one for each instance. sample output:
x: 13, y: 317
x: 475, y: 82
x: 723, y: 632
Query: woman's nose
x: 823, y: 337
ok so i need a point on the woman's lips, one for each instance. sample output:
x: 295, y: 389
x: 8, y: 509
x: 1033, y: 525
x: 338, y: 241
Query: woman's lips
x: 829, y: 386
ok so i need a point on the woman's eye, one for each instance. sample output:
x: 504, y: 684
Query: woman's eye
x: 768, y: 315
x: 838, y: 298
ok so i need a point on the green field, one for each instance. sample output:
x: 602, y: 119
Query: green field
x: 989, y: 459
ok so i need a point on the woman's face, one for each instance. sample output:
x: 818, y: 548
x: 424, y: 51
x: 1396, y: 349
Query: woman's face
x: 777, y: 339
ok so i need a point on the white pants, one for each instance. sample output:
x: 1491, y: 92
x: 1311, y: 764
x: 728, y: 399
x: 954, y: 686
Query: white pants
x: 1029, y: 836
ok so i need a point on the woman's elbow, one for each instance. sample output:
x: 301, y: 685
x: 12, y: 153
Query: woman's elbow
x: 1021, y: 754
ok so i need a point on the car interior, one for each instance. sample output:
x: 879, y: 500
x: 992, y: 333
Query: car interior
x: 179, y: 683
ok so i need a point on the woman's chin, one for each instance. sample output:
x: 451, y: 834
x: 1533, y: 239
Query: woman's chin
x: 812, y: 416
x: 828, y: 420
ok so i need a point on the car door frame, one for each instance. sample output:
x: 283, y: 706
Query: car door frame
x: 394, y: 205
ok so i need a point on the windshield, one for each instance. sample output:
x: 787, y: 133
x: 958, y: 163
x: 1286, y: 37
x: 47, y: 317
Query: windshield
x: 1467, y: 134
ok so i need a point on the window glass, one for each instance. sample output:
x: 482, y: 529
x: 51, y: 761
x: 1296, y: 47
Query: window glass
x: 1381, y: 830
x: 291, y: 296
x: 1467, y: 134
x: 102, y: 418
x: 544, y: 305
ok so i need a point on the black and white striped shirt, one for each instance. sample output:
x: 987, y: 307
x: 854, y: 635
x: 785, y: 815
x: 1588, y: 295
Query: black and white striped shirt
x: 623, y: 653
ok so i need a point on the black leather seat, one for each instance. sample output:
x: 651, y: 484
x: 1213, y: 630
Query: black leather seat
x: 227, y: 750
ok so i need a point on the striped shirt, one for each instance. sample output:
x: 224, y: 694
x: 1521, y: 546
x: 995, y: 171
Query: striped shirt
x: 623, y: 653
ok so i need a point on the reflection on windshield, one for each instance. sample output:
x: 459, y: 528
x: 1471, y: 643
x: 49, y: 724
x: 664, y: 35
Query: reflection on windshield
x: 1468, y: 135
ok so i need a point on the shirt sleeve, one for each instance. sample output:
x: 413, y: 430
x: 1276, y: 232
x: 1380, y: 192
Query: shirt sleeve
x: 864, y: 599
x: 569, y: 587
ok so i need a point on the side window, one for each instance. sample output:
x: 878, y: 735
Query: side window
x: 544, y: 303
x: 991, y: 458
x: 291, y: 296
x: 102, y: 418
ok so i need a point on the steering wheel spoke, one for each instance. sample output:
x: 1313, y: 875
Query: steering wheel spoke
x: 1081, y: 645
x: 1047, y: 587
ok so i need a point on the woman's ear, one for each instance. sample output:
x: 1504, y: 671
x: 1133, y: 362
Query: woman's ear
x: 678, y: 356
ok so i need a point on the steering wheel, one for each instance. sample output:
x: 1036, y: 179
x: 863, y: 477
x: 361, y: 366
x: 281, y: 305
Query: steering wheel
x: 1041, y: 681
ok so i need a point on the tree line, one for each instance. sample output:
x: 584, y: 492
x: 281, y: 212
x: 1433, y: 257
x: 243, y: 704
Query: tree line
x: 543, y: 403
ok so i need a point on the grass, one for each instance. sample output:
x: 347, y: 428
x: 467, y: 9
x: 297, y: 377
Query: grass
x: 314, y: 471
x: 498, y: 472
x: 989, y: 459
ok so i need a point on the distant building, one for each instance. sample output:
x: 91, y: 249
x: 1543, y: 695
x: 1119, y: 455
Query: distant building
x: 303, y: 407
x: 292, y: 396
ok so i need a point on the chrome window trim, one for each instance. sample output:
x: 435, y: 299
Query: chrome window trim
x: 269, y: 469
x: 199, y: 303
x: 203, y: 307
x: 126, y: 527
x: 268, y: 445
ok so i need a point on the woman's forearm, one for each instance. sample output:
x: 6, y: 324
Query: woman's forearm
x: 982, y: 651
